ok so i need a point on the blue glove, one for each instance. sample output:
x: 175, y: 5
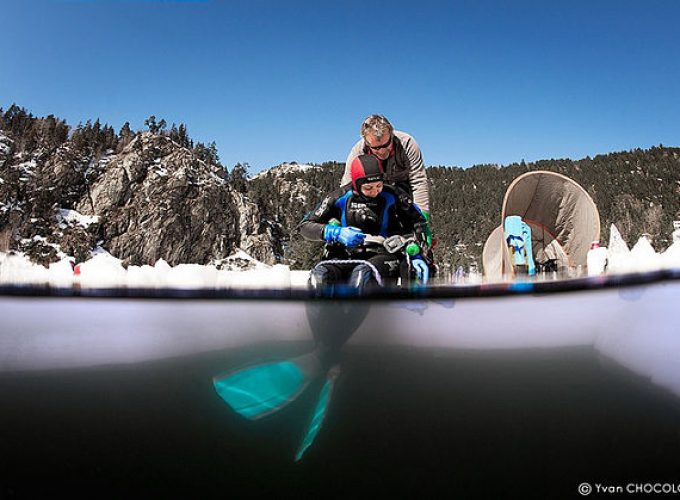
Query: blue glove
x: 421, y: 269
x: 348, y: 236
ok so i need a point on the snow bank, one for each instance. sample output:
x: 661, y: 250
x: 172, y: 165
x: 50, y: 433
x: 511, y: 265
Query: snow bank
x: 240, y: 270
x: 670, y: 259
x: 105, y: 271
x: 18, y: 270
x: 641, y: 258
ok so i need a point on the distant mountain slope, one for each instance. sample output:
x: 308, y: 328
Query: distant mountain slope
x: 637, y: 190
x: 285, y: 194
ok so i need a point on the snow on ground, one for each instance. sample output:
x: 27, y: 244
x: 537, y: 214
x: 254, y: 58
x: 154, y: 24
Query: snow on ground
x: 285, y: 168
x: 4, y: 144
x: 71, y: 216
x: 105, y: 271
x: 642, y: 257
x: 242, y: 271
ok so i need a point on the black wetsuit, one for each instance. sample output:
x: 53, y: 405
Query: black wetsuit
x: 391, y: 212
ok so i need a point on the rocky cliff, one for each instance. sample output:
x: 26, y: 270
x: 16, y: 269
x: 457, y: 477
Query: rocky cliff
x: 154, y: 199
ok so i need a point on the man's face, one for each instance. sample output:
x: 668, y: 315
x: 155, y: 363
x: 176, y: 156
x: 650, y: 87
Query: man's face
x: 380, y: 146
x: 372, y: 189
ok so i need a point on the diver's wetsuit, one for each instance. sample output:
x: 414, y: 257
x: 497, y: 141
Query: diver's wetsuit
x: 391, y: 212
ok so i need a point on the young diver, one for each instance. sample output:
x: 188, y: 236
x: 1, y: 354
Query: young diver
x: 367, y: 207
x: 348, y: 217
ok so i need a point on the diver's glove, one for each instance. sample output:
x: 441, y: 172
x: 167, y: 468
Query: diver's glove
x: 421, y: 268
x: 348, y: 236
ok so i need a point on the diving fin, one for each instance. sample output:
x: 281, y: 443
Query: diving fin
x: 319, y: 413
x: 257, y: 391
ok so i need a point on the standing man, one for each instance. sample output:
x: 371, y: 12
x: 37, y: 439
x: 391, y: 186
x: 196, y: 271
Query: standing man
x: 400, y: 156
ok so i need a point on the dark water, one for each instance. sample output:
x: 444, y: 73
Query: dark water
x: 403, y: 423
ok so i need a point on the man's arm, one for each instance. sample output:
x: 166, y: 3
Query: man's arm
x: 410, y: 214
x: 417, y: 174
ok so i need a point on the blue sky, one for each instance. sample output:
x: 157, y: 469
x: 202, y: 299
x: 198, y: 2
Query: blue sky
x: 270, y: 81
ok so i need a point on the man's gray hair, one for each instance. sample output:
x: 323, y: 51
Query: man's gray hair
x: 377, y: 125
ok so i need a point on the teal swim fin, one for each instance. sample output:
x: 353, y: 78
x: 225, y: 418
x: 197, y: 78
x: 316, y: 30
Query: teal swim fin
x: 319, y: 413
x: 257, y: 391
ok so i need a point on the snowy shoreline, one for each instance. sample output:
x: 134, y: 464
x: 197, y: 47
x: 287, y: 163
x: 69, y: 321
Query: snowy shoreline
x: 241, y: 271
x: 105, y: 271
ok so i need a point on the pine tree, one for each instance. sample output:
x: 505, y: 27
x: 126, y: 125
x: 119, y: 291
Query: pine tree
x: 184, y: 140
x: 238, y: 177
x: 125, y: 136
x: 214, y: 157
x: 154, y: 126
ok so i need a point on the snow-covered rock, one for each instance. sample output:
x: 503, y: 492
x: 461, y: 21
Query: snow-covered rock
x: 283, y: 169
x: 153, y: 200
x: 5, y: 148
x: 66, y: 216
